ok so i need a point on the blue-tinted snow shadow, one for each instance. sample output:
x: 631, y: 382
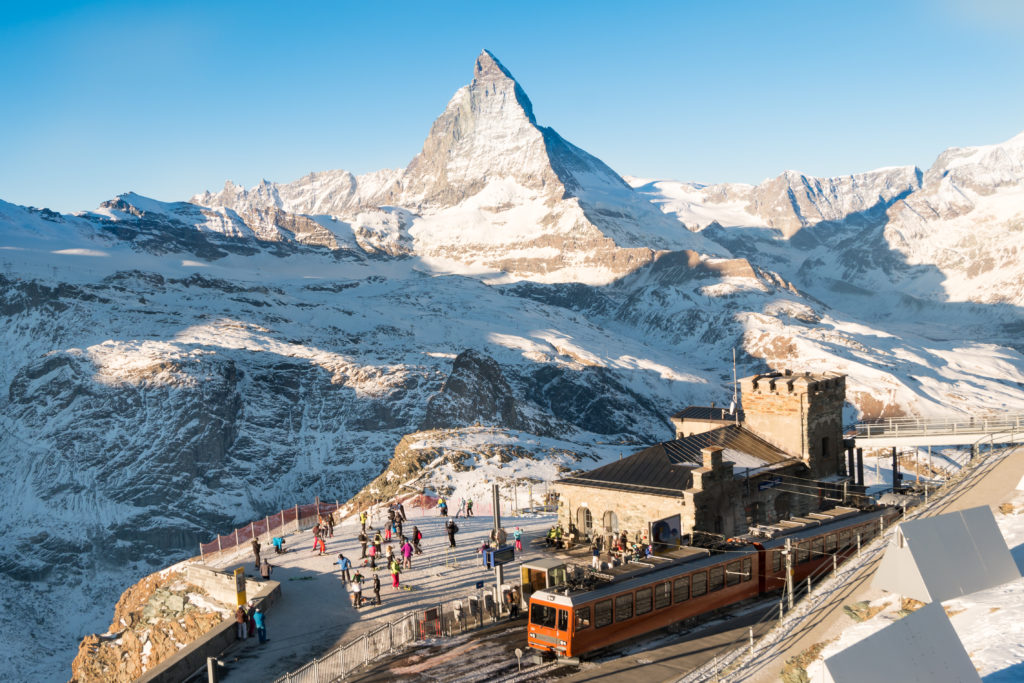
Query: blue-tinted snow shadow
x: 1011, y: 674
x: 1018, y: 557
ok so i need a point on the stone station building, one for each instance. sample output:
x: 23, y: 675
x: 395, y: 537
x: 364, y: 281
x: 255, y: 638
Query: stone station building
x: 780, y: 457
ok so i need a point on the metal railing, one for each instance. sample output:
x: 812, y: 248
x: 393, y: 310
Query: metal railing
x: 441, y: 620
x: 912, y: 426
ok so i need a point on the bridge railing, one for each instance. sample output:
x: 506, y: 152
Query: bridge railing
x: 911, y: 426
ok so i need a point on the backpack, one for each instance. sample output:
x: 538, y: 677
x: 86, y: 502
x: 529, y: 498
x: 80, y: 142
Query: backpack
x: 455, y: 528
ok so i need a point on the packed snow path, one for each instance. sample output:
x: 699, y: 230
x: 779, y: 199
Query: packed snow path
x: 315, y: 612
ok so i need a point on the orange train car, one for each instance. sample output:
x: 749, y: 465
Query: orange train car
x: 574, y: 623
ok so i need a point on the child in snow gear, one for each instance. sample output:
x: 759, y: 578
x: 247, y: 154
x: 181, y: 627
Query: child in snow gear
x: 518, y: 535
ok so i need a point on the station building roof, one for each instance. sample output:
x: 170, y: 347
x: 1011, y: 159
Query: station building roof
x: 666, y: 468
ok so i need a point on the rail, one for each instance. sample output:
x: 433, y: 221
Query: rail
x: 910, y: 426
x: 440, y: 620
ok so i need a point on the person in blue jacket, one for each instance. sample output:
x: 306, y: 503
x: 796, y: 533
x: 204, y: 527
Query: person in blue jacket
x: 346, y: 565
x: 261, y: 625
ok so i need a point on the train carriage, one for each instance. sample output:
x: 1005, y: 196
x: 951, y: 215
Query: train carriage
x: 572, y: 623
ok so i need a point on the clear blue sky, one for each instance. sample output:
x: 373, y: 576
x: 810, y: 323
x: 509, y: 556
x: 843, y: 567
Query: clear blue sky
x: 169, y: 99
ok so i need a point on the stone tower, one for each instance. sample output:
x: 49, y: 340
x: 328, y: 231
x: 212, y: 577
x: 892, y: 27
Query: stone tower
x: 802, y: 414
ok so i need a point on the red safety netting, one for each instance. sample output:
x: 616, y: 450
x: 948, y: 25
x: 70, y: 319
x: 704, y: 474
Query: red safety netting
x: 284, y: 520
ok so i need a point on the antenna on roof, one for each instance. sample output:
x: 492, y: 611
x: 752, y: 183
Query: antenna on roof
x: 732, y: 406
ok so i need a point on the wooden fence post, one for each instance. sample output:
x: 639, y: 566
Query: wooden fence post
x: 297, y: 528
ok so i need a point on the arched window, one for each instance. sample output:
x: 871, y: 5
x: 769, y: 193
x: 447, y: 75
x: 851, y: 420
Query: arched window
x: 584, y: 521
x: 611, y: 522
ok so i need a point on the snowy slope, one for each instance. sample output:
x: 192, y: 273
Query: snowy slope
x: 173, y: 369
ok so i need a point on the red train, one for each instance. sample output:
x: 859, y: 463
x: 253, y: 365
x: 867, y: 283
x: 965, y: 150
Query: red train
x: 573, y: 623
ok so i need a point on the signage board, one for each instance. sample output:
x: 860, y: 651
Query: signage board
x: 240, y: 585
x: 498, y: 556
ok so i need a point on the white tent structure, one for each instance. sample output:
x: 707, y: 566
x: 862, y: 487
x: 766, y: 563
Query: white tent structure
x: 922, y: 647
x: 943, y: 557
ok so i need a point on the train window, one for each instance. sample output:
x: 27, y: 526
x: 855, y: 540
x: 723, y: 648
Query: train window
x: 817, y: 548
x: 603, y: 613
x: 542, y: 615
x: 643, y: 600
x: 662, y: 595
x: 748, y: 569
x: 733, y: 574
x: 682, y: 588
x: 582, y: 618
x: 844, y: 539
x: 623, y: 607
x: 563, y: 620
x: 698, y: 584
x: 776, y: 561
x: 830, y: 543
x: 801, y: 553
x: 868, y: 531
x: 717, y: 578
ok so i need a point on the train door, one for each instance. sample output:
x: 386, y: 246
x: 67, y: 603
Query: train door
x: 562, y: 630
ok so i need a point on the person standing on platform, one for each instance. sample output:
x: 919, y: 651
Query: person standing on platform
x: 362, y: 519
x: 469, y: 507
x: 417, y: 536
x: 266, y: 569
x: 378, y: 541
x: 452, y: 530
x: 346, y: 565
x: 241, y: 623
x: 330, y: 524
x: 376, y: 588
x: 407, y: 555
x: 401, y: 512
x: 363, y: 541
x: 395, y: 571
x: 261, y: 625
x: 256, y: 551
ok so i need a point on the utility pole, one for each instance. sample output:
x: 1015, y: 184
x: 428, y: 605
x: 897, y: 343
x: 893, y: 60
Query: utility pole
x: 789, y: 573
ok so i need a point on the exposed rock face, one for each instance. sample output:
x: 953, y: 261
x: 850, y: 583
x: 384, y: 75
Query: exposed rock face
x: 475, y: 392
x: 152, y: 621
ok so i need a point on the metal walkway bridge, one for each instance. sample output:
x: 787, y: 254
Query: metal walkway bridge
x: 959, y: 431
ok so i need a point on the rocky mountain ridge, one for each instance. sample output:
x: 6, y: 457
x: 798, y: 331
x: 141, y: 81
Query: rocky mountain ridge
x: 174, y: 369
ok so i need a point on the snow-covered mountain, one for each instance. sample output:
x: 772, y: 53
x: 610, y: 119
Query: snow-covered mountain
x: 173, y: 369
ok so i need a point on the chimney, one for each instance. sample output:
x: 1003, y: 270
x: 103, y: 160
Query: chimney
x: 712, y: 457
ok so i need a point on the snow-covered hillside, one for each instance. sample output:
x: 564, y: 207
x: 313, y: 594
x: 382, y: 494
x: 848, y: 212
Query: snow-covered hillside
x: 173, y: 369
